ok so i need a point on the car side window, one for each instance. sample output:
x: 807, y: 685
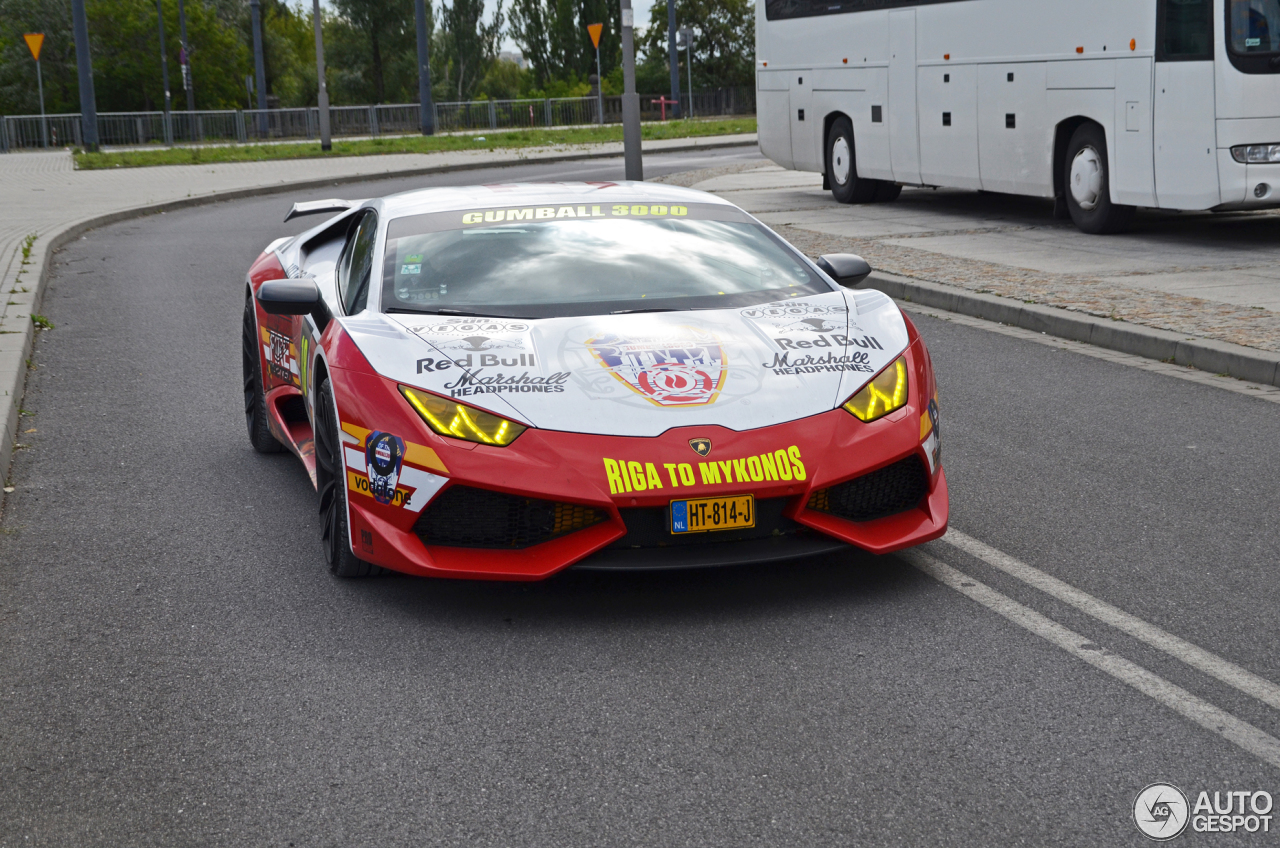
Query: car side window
x: 357, y: 265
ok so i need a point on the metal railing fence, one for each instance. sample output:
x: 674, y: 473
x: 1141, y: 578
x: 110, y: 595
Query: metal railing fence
x: 139, y: 129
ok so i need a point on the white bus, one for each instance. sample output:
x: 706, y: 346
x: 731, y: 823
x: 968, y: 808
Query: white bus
x: 1103, y: 105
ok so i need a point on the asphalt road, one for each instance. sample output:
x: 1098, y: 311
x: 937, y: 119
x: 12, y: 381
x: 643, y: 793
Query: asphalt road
x: 178, y: 668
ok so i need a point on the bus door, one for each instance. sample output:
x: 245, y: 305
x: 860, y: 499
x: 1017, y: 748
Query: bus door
x: 1184, y: 126
x: 904, y: 137
x: 804, y: 147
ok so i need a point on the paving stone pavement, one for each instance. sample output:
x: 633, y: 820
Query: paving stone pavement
x: 1205, y: 275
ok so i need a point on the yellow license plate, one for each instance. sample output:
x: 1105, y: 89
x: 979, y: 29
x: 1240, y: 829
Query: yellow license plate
x: 703, y: 514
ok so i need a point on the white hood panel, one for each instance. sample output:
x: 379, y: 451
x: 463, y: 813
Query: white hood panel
x: 642, y: 374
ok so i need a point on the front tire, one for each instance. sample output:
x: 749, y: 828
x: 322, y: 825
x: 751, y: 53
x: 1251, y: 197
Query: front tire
x: 842, y: 167
x: 255, y: 400
x: 1088, y: 184
x: 331, y: 484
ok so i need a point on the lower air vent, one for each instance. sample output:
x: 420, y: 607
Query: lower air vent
x: 893, y: 489
x: 465, y: 517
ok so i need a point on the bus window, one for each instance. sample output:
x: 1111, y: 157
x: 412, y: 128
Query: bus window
x: 1255, y: 26
x: 1185, y: 31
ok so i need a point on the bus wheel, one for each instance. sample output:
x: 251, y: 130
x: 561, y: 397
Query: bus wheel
x: 1088, y: 183
x: 842, y: 167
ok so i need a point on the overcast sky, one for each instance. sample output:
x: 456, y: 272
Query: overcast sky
x: 641, y: 8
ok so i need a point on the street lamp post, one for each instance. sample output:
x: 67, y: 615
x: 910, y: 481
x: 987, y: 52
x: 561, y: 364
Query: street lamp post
x: 322, y: 96
x: 84, y: 64
x: 426, y: 109
x: 164, y: 74
x: 188, y: 81
x: 673, y: 56
x: 261, y: 72
x: 687, y: 35
x: 634, y: 165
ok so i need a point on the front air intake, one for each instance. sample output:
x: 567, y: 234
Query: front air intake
x: 888, y: 491
x: 466, y: 517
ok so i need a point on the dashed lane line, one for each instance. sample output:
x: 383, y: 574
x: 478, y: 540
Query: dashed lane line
x: 1180, y: 649
x: 1214, y: 719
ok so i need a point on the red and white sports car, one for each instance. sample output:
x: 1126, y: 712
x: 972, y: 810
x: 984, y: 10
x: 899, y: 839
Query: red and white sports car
x: 505, y: 381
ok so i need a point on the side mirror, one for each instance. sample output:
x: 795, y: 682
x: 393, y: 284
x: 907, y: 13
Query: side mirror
x: 289, y: 297
x: 847, y: 269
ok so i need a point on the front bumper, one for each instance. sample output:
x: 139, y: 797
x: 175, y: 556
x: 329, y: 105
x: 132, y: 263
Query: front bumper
x: 561, y: 477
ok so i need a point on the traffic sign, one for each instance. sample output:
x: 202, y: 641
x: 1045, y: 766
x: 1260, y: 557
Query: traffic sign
x: 35, y: 40
x: 594, y: 29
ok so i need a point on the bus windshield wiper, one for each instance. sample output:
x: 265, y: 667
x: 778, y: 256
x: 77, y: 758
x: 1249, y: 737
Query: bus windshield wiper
x: 653, y: 309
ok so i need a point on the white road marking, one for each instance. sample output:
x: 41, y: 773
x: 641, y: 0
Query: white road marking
x: 1240, y: 733
x: 1193, y: 655
x: 1262, y: 391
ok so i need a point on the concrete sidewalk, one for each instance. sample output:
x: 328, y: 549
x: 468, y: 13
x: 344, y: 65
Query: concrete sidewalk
x: 45, y: 197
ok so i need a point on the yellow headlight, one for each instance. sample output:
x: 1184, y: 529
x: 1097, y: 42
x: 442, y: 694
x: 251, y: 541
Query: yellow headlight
x: 885, y: 393
x: 460, y: 421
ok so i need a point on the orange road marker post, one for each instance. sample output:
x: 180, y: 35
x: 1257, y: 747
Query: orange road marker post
x: 594, y: 30
x: 35, y: 40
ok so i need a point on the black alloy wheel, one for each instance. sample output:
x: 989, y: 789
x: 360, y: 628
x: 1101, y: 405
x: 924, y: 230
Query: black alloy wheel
x: 1087, y: 182
x: 842, y: 167
x: 255, y: 400
x: 331, y: 484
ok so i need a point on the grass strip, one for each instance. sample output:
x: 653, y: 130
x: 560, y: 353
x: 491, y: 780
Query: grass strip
x: 500, y: 139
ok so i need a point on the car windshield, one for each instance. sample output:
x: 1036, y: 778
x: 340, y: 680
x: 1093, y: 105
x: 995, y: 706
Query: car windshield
x: 1255, y: 26
x: 541, y: 262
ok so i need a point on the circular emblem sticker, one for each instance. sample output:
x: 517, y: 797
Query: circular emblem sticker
x: 1160, y: 811
x: 383, y: 456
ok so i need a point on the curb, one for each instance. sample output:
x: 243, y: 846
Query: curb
x: 13, y: 374
x: 1243, y: 363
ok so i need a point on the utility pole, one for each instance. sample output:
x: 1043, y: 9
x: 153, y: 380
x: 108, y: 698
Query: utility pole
x: 256, y: 15
x: 34, y: 42
x: 84, y: 63
x: 164, y: 73
x: 688, y: 52
x: 322, y: 99
x: 426, y: 109
x: 673, y: 57
x: 188, y: 81
x: 630, y: 100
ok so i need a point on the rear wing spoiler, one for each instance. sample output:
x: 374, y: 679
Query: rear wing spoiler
x: 316, y: 207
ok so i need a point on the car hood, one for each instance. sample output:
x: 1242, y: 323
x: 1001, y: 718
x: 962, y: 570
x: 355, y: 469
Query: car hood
x: 642, y: 374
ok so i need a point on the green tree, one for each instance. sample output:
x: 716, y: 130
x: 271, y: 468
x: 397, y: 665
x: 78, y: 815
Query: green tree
x: 467, y: 46
x: 289, y: 54
x: 505, y: 80
x: 389, y: 29
x: 723, y: 42
x: 553, y: 36
x: 125, y: 43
